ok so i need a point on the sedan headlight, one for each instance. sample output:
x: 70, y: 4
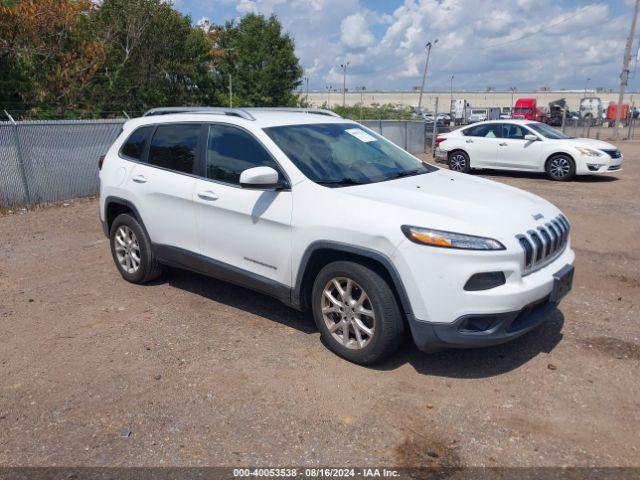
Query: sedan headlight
x: 440, y: 238
x: 589, y: 152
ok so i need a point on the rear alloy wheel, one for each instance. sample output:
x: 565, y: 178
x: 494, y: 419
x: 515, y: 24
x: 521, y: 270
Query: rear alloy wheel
x: 356, y: 312
x: 561, y: 168
x: 131, y: 250
x: 459, y: 162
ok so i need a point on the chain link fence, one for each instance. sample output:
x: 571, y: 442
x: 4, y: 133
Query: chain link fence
x: 52, y: 160
x: 46, y: 161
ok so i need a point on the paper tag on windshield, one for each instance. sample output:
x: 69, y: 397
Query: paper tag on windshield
x: 361, y: 135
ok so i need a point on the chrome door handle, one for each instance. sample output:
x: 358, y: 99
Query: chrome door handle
x: 469, y: 141
x: 502, y: 144
x: 208, y: 195
x: 140, y: 179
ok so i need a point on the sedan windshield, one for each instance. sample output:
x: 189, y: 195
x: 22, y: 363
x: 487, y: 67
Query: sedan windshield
x: 548, y: 132
x: 342, y: 154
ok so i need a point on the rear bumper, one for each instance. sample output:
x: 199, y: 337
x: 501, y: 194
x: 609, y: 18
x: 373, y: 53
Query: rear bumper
x: 472, y: 331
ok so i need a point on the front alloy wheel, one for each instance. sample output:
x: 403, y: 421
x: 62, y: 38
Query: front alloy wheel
x: 356, y: 312
x: 347, y: 312
x: 561, y: 168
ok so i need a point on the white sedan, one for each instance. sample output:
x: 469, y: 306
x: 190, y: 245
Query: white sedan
x: 525, y: 145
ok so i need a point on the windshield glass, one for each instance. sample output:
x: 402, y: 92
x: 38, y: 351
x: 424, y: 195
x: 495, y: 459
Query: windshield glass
x: 522, y: 110
x: 547, y: 131
x: 338, y: 154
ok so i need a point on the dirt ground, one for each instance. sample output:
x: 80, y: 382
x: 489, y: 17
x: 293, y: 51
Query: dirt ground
x: 192, y: 371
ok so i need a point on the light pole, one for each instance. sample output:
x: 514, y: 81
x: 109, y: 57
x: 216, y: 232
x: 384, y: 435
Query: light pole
x: 586, y: 85
x: 328, y: 88
x: 424, y: 75
x: 306, y: 81
x: 344, y: 82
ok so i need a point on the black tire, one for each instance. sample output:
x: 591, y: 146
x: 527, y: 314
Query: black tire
x: 388, y: 324
x: 458, y: 161
x: 561, y: 168
x: 149, y: 268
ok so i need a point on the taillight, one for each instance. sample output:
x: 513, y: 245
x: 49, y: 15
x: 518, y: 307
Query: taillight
x: 100, y: 162
x: 439, y: 140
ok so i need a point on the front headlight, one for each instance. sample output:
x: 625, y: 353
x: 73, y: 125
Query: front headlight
x: 589, y: 152
x: 440, y: 238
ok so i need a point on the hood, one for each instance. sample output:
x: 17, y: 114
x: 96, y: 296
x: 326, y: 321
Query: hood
x: 459, y: 202
x: 593, y: 143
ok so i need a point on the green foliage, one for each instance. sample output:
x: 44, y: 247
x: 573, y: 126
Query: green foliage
x: 261, y: 62
x: 374, y: 112
x: 133, y: 55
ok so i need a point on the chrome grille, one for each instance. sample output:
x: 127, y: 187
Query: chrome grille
x: 544, y: 244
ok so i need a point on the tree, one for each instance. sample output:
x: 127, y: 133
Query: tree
x: 46, y: 54
x: 261, y: 61
x: 154, y: 57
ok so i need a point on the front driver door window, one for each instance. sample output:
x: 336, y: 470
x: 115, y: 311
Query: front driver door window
x: 250, y: 229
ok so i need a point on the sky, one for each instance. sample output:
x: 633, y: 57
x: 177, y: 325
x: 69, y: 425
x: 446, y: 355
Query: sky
x: 500, y: 44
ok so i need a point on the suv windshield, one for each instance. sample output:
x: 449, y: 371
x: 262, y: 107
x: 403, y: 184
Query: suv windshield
x: 341, y: 154
x: 547, y: 131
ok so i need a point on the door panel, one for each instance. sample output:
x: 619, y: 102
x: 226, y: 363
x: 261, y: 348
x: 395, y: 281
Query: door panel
x: 516, y: 152
x: 163, y: 184
x: 481, y: 143
x: 248, y: 229
x: 164, y: 200
x: 245, y: 228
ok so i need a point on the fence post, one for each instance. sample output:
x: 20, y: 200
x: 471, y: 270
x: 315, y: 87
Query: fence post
x: 23, y: 172
x: 435, y: 128
x: 406, y: 134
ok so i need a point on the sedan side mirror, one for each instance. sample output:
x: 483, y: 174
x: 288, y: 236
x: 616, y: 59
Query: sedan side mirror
x: 531, y: 138
x: 260, y: 178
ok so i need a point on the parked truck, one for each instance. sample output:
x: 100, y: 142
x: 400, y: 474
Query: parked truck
x: 557, y: 110
x: 527, y: 109
x: 591, y: 109
x: 460, y: 110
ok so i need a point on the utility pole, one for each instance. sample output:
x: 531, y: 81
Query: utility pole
x: 344, y: 82
x: 230, y: 92
x: 624, y: 76
x: 424, y: 75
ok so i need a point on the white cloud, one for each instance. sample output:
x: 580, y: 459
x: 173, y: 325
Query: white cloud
x: 526, y: 43
x: 355, y: 33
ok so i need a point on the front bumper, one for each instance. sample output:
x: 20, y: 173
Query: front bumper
x: 464, y: 333
x: 599, y: 167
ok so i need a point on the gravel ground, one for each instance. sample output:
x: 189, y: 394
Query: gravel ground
x: 191, y: 371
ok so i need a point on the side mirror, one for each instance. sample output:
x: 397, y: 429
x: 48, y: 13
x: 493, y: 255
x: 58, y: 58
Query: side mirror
x: 531, y: 138
x: 260, y: 178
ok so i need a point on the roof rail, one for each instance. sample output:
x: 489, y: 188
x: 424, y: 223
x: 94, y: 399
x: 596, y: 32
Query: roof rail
x: 236, y: 112
x: 316, y: 111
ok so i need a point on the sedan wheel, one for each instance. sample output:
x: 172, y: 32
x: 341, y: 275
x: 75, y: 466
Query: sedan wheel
x: 561, y: 168
x: 459, y: 162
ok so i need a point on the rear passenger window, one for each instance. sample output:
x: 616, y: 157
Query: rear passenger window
x: 487, y: 130
x: 174, y: 147
x: 134, y: 146
x: 231, y: 151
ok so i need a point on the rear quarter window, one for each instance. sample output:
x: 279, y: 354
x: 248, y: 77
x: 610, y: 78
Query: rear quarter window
x: 134, y: 145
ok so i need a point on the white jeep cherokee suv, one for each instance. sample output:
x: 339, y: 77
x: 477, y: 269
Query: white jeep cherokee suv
x: 525, y: 145
x: 326, y: 215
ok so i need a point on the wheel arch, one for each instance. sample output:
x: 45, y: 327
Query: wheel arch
x: 114, y: 206
x: 321, y: 253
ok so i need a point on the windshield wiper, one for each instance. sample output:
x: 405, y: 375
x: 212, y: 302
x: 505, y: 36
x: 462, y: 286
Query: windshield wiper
x: 408, y: 173
x: 343, y: 181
